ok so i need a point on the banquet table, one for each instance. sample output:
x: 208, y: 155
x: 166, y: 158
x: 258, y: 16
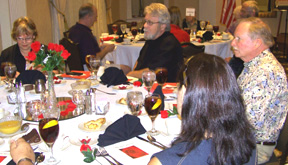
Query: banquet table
x: 128, y: 54
x: 67, y: 146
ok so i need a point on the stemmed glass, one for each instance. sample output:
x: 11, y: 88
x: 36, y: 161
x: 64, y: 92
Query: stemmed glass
x: 123, y: 28
x: 161, y: 75
x: 202, y: 25
x: 49, y: 130
x: 152, y: 104
x: 134, y: 31
x: 148, y: 78
x: 78, y: 99
x: 134, y: 102
x: 94, y: 64
x: 10, y: 72
x: 115, y: 28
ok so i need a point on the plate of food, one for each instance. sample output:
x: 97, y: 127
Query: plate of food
x: 122, y: 87
x: 99, y: 124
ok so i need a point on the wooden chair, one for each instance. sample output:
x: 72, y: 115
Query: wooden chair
x: 74, y: 60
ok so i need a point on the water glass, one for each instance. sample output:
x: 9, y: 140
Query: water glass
x: 39, y: 86
x: 134, y: 102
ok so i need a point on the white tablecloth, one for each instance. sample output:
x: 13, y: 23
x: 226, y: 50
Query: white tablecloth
x: 128, y: 54
x: 70, y: 154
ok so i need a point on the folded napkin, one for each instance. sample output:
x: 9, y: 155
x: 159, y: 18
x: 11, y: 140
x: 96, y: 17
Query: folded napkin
x: 113, y: 76
x: 85, y: 75
x: 108, y: 38
x: 168, y: 88
x: 123, y: 129
x: 159, y: 91
x: 30, y: 76
x: 207, y: 36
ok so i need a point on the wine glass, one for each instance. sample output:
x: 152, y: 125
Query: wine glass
x: 134, y: 31
x: 115, y: 28
x: 135, y: 102
x: 152, y: 104
x: 3, y: 64
x: 148, y: 78
x: 10, y: 72
x: 161, y: 75
x: 94, y: 64
x: 215, y: 29
x: 49, y: 130
x: 202, y: 25
x: 123, y: 28
x: 78, y: 99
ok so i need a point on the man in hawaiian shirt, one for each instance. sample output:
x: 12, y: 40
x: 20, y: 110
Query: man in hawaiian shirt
x: 263, y: 82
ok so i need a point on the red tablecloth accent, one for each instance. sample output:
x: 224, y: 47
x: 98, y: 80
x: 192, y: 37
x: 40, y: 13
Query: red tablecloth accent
x: 85, y: 75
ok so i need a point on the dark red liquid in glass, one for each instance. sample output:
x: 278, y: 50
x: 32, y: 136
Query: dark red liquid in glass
x: 134, y: 32
x: 49, y: 135
x: 215, y: 28
x: 3, y: 64
x: 115, y: 28
x: 161, y: 75
x: 148, y: 104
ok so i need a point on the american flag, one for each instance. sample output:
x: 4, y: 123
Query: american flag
x: 227, y: 12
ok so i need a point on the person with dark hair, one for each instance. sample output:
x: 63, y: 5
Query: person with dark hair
x: 24, y: 32
x: 161, y: 48
x: 215, y: 128
x: 81, y: 34
x: 180, y: 34
x: 263, y: 83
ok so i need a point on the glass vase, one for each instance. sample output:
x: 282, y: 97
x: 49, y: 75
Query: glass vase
x: 51, y: 110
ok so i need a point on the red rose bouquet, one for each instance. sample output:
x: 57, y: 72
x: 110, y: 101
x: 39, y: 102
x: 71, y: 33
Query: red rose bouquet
x: 51, y: 59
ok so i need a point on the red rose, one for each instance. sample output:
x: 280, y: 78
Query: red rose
x: 85, y: 147
x: 41, y: 116
x: 65, y: 54
x: 31, y: 56
x: 51, y: 46
x: 64, y: 113
x: 164, y: 114
x: 137, y: 83
x: 85, y: 141
x: 199, y: 40
x: 35, y: 46
x: 57, y: 48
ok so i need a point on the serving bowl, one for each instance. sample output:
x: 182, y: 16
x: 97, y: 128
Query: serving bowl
x: 10, y: 124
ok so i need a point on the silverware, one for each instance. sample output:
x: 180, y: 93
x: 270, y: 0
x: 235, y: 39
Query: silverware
x: 40, y: 158
x: 151, y: 142
x: 94, y: 89
x: 152, y: 139
x: 105, y: 153
x: 98, y: 153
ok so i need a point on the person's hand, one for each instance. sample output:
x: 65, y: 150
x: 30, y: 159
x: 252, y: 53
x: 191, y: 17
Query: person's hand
x: 21, y: 149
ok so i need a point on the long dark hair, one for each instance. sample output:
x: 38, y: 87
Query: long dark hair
x: 213, y: 108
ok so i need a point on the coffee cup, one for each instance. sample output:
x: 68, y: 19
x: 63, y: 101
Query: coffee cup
x: 225, y: 36
x: 126, y: 41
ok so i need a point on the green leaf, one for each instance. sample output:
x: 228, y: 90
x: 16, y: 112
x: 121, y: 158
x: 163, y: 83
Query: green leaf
x: 87, y: 154
x: 94, y: 152
x: 175, y: 110
x: 88, y: 160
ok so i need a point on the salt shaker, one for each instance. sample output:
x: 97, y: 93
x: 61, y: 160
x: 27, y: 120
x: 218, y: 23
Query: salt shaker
x: 93, y: 100
x: 88, y: 108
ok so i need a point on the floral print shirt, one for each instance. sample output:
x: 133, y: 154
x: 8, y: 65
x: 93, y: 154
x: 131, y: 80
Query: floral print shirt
x: 264, y: 86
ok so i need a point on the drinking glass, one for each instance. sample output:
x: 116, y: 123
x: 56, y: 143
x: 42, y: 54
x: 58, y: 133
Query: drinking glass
x: 152, y: 104
x: 123, y: 28
x: 49, y: 130
x: 134, y: 102
x: 10, y: 72
x: 78, y: 99
x: 202, y: 25
x: 134, y: 31
x: 148, y: 78
x: 215, y: 29
x: 3, y: 64
x: 161, y: 75
x: 94, y: 64
x: 115, y: 28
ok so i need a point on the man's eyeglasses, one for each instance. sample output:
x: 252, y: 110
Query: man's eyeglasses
x: 150, y: 23
x: 28, y: 39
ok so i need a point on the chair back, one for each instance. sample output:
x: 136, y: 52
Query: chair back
x: 74, y: 60
x: 189, y: 49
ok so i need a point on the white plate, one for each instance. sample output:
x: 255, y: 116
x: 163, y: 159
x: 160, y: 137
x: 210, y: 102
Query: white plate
x: 123, y: 43
x: 83, y: 90
x: 22, y: 134
x: 61, y: 83
x: 2, y: 84
x: 118, y: 87
x: 94, y: 83
x: 102, y: 128
x: 76, y: 140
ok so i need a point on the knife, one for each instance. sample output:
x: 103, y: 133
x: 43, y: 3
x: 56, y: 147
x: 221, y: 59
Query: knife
x: 150, y: 142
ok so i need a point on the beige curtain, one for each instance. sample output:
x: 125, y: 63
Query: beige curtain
x: 109, y: 11
x: 58, y: 24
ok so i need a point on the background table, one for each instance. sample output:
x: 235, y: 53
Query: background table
x: 128, y: 54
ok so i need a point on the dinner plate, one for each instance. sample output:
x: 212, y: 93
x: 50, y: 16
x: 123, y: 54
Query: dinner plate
x: 122, y: 87
x: 22, y: 134
x: 102, y: 128
x: 94, y: 83
x: 76, y: 139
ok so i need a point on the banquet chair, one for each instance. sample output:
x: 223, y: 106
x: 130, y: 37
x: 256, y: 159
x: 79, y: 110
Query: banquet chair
x: 73, y: 60
x: 118, y: 22
x: 189, y: 49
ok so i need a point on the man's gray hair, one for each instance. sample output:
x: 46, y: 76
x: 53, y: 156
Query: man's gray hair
x: 259, y: 29
x: 85, y: 9
x: 161, y: 11
x: 252, y: 6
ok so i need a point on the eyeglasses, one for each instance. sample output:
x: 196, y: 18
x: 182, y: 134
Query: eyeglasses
x: 150, y: 23
x: 28, y: 39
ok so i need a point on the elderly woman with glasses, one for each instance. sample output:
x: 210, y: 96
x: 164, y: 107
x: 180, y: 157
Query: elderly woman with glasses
x: 215, y: 129
x: 24, y: 32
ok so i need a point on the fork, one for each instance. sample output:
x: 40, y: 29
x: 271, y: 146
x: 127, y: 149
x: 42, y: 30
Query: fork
x: 94, y: 89
x: 105, y: 153
x: 98, y: 153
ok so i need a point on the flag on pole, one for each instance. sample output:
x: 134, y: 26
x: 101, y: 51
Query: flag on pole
x: 227, y: 12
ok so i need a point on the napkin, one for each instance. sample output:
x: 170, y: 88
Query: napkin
x: 85, y: 75
x: 123, y: 129
x: 168, y: 88
x: 159, y: 91
x: 207, y: 36
x: 30, y: 76
x: 113, y: 76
